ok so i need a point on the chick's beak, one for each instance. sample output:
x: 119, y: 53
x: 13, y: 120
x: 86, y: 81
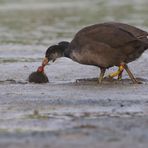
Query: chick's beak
x: 45, y: 61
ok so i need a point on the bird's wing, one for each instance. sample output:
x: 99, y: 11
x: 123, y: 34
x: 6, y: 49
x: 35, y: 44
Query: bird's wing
x: 136, y: 32
x: 108, y: 34
x: 133, y: 30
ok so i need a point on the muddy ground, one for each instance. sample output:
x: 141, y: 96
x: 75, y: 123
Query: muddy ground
x: 72, y: 110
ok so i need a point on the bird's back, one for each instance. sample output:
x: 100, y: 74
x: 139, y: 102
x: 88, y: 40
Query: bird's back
x: 133, y: 30
x: 136, y: 32
x: 112, y: 33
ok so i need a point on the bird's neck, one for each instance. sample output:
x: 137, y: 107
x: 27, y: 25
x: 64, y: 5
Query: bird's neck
x: 66, y: 53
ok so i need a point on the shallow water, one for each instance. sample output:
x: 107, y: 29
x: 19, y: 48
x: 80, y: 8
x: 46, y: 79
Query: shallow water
x: 72, y: 108
x: 27, y: 28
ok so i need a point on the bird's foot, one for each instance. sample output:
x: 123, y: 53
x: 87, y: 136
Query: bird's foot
x: 99, y: 81
x: 109, y: 78
x: 137, y: 82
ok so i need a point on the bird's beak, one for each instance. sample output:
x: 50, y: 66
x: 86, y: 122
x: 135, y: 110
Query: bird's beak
x: 45, y: 61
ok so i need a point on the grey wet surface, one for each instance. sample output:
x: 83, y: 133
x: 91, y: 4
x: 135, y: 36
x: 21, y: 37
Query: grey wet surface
x: 72, y: 110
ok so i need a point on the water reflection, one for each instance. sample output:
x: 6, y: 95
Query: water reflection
x: 30, y: 24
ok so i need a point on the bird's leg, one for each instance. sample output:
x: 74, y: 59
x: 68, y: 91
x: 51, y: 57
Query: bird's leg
x: 101, y: 75
x: 118, y: 72
x: 121, y: 69
x: 120, y: 76
x: 131, y: 75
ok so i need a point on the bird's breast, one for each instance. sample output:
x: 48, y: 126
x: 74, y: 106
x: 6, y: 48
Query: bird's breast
x: 88, y: 58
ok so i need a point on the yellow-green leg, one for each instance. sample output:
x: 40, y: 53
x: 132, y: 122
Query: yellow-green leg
x: 101, y: 75
x: 118, y: 73
x: 120, y: 76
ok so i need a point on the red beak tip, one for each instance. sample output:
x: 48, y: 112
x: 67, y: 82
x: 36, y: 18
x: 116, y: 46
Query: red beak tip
x: 40, y: 69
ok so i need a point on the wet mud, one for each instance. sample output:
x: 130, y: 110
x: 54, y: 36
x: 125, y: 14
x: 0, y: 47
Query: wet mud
x: 72, y: 110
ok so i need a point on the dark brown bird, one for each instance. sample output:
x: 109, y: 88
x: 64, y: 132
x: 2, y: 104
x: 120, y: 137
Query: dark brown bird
x: 38, y: 76
x: 104, y: 45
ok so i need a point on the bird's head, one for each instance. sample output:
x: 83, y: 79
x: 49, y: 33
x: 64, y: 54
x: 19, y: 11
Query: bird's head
x: 54, y: 52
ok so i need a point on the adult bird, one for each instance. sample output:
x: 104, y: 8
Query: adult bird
x: 103, y: 45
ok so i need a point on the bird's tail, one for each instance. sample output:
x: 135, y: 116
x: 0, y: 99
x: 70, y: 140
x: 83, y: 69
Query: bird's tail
x: 146, y: 45
x: 145, y: 42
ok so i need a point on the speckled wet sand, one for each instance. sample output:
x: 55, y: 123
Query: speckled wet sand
x: 72, y: 110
